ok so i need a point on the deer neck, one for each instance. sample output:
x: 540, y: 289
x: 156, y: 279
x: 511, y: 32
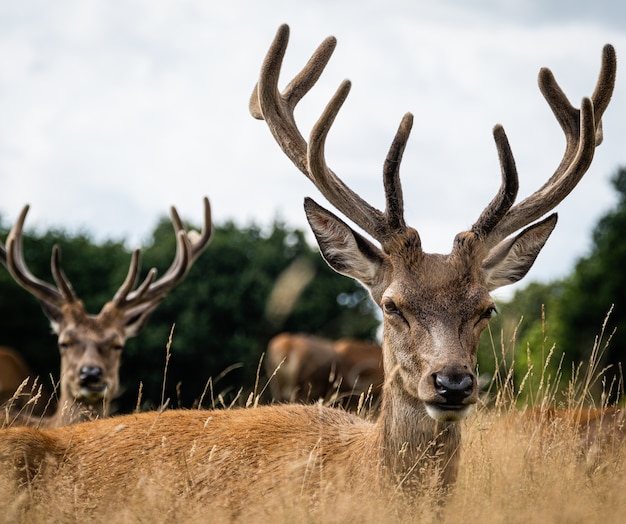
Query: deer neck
x: 415, y: 447
x: 71, y: 411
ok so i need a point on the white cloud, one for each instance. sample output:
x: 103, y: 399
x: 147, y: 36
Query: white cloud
x: 110, y: 112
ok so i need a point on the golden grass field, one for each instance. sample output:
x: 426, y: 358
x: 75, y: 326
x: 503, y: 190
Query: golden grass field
x: 512, y: 470
x: 519, y: 464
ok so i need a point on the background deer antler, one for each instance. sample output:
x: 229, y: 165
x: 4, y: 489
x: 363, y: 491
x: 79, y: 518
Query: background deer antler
x: 189, y: 245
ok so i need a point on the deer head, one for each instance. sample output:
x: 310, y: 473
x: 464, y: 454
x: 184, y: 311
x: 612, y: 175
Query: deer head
x: 434, y: 306
x: 91, y: 345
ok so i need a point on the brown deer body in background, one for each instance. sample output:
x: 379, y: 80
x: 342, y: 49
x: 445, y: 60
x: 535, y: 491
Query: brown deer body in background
x: 306, y: 368
x: 434, y: 309
x: 15, y: 374
x: 91, y: 345
x: 13, y: 371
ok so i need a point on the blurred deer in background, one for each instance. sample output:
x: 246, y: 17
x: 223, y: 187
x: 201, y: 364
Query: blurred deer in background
x: 13, y: 371
x: 16, y: 375
x: 434, y: 309
x: 306, y: 368
x: 91, y: 345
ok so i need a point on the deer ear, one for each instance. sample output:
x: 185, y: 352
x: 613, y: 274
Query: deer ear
x: 510, y: 260
x: 345, y: 250
x: 135, y: 319
x: 54, y: 314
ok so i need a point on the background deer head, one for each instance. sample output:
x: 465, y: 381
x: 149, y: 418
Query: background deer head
x: 91, y: 345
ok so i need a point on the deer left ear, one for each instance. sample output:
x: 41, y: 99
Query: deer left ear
x: 345, y: 250
x: 510, y: 260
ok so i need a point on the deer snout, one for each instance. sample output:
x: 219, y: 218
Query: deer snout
x: 454, y: 388
x: 90, y: 375
x: 452, y: 391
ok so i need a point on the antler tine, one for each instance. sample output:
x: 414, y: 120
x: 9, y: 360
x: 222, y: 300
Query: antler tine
x: 394, y: 203
x: 62, y: 282
x: 19, y: 270
x: 276, y: 108
x: 505, y: 197
x: 582, y: 129
x: 604, y: 87
x: 198, y: 241
x: 131, y: 278
x: 337, y: 193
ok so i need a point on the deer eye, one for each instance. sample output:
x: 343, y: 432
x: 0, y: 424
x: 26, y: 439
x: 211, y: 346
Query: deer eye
x: 389, y: 307
x: 490, y: 312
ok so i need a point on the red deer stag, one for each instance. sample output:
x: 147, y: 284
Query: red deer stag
x: 434, y: 308
x: 91, y: 345
x: 306, y: 368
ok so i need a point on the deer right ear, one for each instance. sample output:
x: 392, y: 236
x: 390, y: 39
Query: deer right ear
x: 345, y: 250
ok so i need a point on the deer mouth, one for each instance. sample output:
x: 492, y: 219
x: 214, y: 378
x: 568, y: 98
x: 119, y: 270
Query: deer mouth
x: 92, y: 391
x: 448, y: 412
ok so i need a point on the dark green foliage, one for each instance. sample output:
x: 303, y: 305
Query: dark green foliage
x: 576, y: 307
x: 218, y: 310
x: 598, y: 284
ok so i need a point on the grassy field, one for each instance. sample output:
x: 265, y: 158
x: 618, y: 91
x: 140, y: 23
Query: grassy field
x: 513, y: 469
x: 519, y: 464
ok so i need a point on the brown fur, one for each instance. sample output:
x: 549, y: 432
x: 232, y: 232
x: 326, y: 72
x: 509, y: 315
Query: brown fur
x: 306, y: 368
x: 214, y: 455
x: 20, y: 390
x: 596, y: 430
x: 13, y: 371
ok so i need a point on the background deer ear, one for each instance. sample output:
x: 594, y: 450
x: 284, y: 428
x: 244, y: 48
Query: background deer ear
x: 510, y: 260
x: 54, y: 314
x: 135, y: 319
x: 345, y: 250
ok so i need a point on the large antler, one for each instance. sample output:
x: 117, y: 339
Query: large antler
x: 189, y: 245
x: 583, y: 133
x: 582, y: 129
x: 277, y: 109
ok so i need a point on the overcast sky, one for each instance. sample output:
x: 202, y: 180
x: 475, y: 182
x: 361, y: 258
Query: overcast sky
x: 112, y: 111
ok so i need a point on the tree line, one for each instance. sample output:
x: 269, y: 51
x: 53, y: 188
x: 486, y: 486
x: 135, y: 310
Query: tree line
x: 220, y: 319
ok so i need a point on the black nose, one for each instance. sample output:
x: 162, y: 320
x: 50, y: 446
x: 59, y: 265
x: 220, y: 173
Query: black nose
x: 90, y: 374
x: 455, y: 388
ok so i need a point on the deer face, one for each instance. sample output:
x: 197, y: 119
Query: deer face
x: 433, y: 318
x: 91, y: 351
x: 434, y: 309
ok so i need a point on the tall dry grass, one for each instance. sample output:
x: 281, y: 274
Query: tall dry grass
x: 519, y: 464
